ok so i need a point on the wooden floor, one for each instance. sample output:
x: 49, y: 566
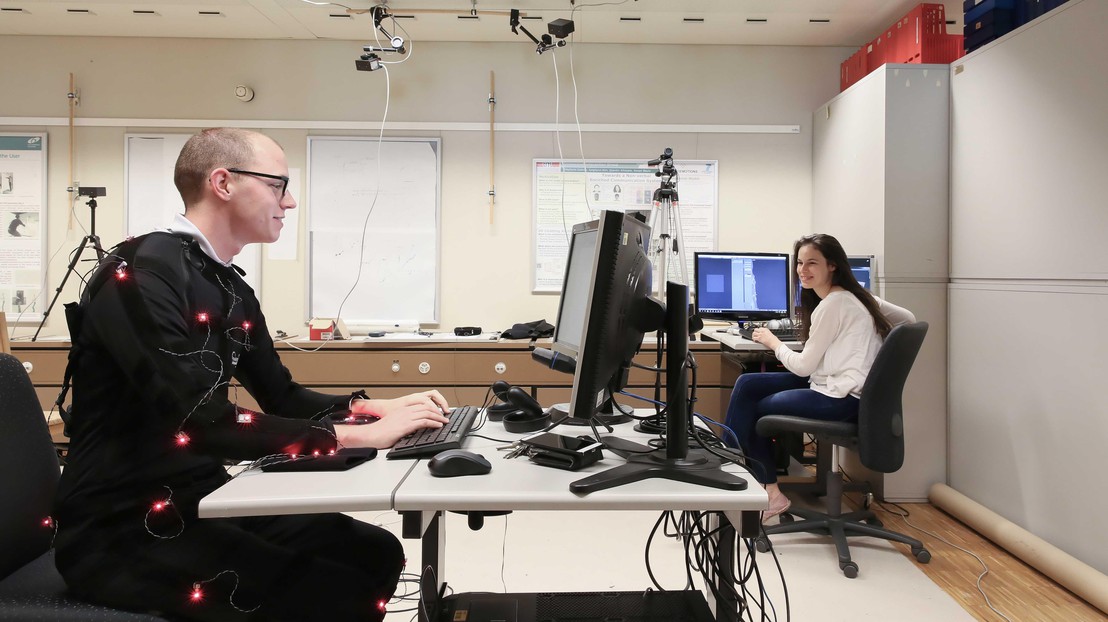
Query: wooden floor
x: 1014, y: 588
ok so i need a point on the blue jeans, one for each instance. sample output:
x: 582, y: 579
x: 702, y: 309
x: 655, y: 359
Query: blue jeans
x: 777, y: 393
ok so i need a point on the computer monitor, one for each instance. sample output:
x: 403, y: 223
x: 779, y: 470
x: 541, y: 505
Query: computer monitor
x: 860, y: 265
x: 619, y: 310
x: 576, y: 284
x: 604, y: 311
x: 740, y: 287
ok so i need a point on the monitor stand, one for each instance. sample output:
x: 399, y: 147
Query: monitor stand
x: 676, y: 462
x: 607, y: 415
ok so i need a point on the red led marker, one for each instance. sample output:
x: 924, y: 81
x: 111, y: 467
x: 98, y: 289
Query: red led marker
x: 182, y: 439
x: 202, y: 317
x: 246, y: 325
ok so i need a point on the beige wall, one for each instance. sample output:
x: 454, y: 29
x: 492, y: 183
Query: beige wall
x: 764, y: 183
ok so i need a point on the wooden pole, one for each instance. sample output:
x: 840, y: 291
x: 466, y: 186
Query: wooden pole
x: 72, y: 95
x: 492, y: 143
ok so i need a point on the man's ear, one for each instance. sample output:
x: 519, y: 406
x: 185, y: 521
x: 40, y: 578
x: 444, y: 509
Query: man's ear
x: 219, y: 182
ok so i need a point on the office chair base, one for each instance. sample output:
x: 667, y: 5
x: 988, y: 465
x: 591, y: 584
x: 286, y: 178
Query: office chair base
x: 840, y: 527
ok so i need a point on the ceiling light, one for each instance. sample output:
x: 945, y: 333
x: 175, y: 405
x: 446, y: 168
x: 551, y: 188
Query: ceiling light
x: 819, y: 21
x: 756, y: 20
x: 210, y: 13
x: 144, y: 12
x: 79, y: 11
x: 630, y: 19
x: 341, y: 15
x: 472, y: 17
x: 11, y: 9
x: 693, y: 20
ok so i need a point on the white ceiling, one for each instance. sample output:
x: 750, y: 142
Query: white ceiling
x: 787, y: 22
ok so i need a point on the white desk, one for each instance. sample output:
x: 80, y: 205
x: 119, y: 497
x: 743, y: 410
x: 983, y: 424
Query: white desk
x: 367, y: 487
x: 517, y: 484
x: 738, y: 343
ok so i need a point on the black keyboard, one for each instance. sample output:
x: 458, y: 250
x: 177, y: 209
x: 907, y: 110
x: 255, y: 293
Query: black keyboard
x: 430, y: 441
x: 784, y: 334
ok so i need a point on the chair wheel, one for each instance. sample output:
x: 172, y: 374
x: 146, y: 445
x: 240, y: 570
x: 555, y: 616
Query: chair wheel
x: 850, y: 569
x: 785, y: 517
x: 762, y: 544
x: 922, y: 555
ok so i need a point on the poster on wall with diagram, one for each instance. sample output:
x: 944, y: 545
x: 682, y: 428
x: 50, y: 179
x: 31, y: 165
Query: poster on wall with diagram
x: 567, y: 192
x: 22, y: 226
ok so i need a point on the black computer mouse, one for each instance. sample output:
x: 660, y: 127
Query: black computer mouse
x: 455, y: 462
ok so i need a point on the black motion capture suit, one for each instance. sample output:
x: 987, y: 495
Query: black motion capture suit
x: 161, y: 330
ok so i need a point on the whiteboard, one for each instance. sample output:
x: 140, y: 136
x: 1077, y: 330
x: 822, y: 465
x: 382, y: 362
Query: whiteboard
x: 373, y: 209
x: 151, y: 200
x: 566, y: 192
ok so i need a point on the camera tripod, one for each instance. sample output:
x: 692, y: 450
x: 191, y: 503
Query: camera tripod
x: 665, y: 214
x: 90, y: 240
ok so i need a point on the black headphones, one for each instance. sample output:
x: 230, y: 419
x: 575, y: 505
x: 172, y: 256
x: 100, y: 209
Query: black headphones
x: 526, y: 415
x: 496, y: 412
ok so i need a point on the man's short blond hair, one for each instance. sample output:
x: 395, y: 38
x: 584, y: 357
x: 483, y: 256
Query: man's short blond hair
x: 218, y: 147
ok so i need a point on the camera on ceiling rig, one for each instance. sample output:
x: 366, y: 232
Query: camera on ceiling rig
x: 560, y: 28
x: 370, y: 61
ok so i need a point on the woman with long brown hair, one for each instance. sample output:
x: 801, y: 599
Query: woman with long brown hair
x: 842, y: 326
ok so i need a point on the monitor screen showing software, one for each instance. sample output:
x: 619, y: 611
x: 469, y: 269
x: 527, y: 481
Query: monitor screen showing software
x: 742, y: 286
x: 862, y: 268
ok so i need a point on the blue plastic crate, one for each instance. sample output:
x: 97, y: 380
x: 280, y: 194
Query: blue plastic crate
x: 997, y: 21
x: 985, y: 35
x: 986, y: 6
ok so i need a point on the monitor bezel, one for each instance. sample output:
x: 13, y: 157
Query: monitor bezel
x: 561, y: 347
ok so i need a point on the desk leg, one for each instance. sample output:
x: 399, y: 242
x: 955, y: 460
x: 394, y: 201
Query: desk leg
x: 727, y: 535
x: 431, y: 527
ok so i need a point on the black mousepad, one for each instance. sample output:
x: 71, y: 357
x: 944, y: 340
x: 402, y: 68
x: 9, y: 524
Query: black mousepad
x: 343, y: 459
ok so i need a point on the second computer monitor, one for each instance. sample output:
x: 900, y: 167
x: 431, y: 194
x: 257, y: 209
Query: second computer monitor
x: 741, y: 287
x: 862, y: 267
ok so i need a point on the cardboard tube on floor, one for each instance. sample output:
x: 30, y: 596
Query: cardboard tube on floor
x: 1077, y: 576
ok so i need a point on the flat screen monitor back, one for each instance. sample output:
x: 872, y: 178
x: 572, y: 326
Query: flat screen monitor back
x: 617, y: 311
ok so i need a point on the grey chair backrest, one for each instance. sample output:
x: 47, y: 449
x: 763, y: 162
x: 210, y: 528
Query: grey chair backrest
x: 28, y: 470
x: 881, y: 410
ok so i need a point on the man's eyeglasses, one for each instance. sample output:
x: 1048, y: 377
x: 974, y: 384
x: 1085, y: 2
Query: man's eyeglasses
x: 282, y: 178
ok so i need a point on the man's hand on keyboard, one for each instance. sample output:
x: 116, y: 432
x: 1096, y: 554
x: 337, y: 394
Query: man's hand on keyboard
x: 431, y: 401
x: 398, y: 418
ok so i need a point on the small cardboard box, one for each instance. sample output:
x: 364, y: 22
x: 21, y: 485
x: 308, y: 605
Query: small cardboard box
x: 327, y: 329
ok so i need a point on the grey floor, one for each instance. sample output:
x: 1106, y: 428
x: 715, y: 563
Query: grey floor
x: 588, y: 551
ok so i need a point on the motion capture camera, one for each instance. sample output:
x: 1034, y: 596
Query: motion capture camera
x: 368, y: 62
x: 92, y: 191
x: 561, y: 28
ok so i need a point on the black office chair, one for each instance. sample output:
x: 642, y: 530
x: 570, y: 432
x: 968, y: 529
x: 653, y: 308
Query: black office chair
x: 878, y: 437
x: 30, y: 586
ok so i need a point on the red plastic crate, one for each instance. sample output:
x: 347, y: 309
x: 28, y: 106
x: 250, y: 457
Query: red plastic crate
x: 852, y: 70
x: 918, y: 37
x: 922, y: 38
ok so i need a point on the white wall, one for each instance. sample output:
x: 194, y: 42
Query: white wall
x: 1028, y: 293
x: 765, y: 180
